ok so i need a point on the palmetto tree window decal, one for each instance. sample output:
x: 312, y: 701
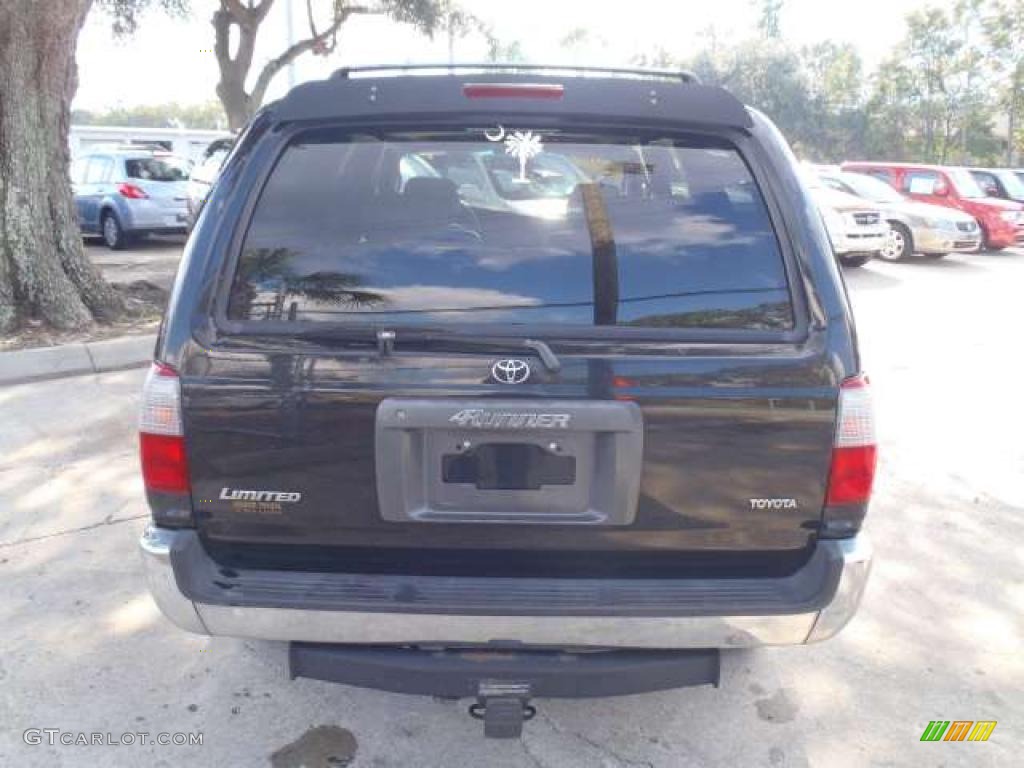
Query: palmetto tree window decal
x: 523, y: 145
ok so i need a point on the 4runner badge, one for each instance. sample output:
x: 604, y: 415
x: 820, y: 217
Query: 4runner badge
x: 481, y: 419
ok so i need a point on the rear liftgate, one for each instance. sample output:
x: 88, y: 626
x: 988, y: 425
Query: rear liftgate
x: 520, y: 461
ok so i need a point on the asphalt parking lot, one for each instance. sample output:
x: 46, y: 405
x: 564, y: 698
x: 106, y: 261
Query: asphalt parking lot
x: 83, y: 648
x: 154, y: 259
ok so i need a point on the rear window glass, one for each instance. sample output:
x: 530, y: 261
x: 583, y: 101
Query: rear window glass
x: 513, y: 227
x: 156, y: 169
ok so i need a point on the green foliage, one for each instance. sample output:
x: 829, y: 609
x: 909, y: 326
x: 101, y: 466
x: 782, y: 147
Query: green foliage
x: 935, y: 99
x: 126, y: 13
x: 770, y: 20
x: 171, y: 114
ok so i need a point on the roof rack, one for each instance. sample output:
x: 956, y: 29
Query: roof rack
x: 681, y: 75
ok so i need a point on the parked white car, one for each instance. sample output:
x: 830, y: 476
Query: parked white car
x: 858, y: 230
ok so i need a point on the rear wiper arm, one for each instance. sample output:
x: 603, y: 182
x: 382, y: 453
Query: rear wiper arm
x: 551, y: 362
x: 386, y: 343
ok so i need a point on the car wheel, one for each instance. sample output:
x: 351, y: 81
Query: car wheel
x: 855, y: 260
x: 900, y: 243
x: 113, y: 233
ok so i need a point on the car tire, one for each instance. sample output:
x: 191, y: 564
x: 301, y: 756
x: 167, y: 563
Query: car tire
x: 935, y: 256
x: 900, y: 245
x: 113, y: 233
x: 856, y: 260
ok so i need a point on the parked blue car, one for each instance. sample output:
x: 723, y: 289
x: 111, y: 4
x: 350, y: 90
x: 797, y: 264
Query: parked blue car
x: 123, y: 194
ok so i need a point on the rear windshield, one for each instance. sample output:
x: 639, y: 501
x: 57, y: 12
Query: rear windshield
x: 156, y: 168
x: 507, y: 226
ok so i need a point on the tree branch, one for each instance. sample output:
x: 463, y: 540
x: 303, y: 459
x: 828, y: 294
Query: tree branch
x: 275, y: 65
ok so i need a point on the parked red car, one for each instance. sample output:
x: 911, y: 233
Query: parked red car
x: 1002, y: 221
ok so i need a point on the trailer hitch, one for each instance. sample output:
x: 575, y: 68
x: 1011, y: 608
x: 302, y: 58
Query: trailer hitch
x: 503, y: 707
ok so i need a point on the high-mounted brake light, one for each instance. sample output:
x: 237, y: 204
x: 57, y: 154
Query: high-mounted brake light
x: 161, y: 434
x: 854, y: 452
x: 131, y: 191
x: 552, y: 91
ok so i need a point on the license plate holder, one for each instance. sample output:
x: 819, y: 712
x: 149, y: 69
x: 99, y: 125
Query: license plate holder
x: 582, y: 461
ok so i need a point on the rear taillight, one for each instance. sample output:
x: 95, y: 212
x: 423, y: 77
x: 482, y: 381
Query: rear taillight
x: 162, y: 446
x: 164, y: 468
x: 854, y: 454
x: 131, y: 191
x: 551, y: 91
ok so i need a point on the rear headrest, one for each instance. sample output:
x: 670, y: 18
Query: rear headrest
x: 432, y: 194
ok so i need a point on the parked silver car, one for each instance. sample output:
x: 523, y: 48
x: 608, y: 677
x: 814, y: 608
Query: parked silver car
x: 914, y: 227
x: 122, y: 194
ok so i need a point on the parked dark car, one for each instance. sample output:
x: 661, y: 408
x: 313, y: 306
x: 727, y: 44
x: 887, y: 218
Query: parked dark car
x: 1000, y: 182
x: 509, y: 452
x: 204, y: 174
x: 122, y: 194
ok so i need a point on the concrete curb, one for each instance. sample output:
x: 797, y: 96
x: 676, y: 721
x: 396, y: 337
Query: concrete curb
x: 75, y: 359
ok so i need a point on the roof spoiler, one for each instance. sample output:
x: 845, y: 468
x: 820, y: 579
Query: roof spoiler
x: 415, y: 91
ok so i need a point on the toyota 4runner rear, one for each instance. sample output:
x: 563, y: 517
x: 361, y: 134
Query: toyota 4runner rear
x: 502, y: 384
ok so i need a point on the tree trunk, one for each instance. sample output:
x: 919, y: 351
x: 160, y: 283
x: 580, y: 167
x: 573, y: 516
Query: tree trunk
x: 234, y: 69
x: 44, y: 273
x: 1016, y: 88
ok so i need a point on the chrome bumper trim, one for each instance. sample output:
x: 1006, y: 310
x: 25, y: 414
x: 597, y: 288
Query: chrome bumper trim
x: 576, y: 631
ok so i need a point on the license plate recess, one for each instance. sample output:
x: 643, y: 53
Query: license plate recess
x: 508, y: 461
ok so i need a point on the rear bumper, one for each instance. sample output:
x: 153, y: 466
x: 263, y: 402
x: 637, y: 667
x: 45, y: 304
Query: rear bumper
x: 154, y: 216
x: 813, y: 604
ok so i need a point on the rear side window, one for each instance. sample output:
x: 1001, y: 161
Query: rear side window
x: 514, y: 227
x: 98, y: 169
x: 156, y: 169
x: 921, y: 182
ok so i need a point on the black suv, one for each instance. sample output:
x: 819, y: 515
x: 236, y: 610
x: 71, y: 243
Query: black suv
x: 503, y: 383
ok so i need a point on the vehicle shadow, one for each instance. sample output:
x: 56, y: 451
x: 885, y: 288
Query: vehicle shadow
x: 148, y: 243
x: 944, y: 264
x: 868, y: 278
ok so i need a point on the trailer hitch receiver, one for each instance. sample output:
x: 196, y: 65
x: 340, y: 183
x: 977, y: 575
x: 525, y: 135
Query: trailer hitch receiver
x: 504, y: 707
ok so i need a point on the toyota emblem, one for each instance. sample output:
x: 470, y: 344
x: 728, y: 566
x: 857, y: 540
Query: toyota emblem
x: 510, y: 371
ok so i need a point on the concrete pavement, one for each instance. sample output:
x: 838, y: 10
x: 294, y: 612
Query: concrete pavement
x: 83, y: 648
x: 76, y: 358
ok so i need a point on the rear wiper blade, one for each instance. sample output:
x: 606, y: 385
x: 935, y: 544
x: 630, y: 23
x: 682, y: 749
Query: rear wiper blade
x: 386, y: 341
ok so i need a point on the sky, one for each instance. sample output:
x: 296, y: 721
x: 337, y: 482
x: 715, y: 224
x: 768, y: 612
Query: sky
x: 172, y: 60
